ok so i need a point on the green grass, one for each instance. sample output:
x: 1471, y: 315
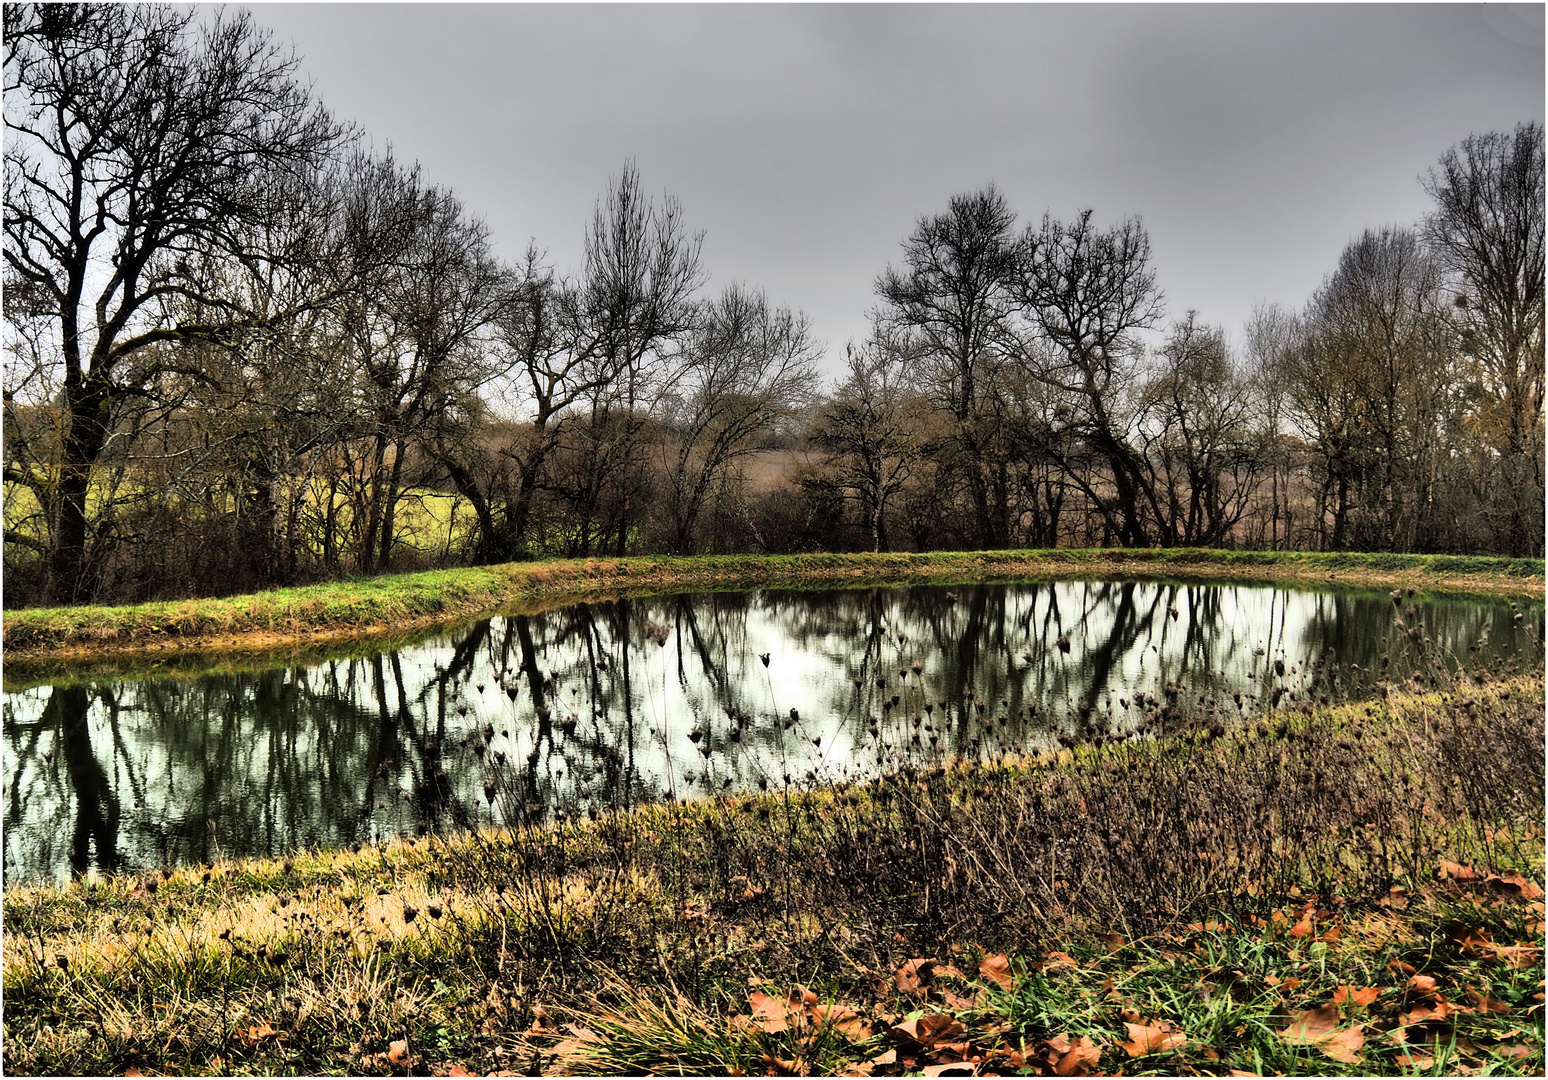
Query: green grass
x: 422, y: 519
x: 1214, y: 890
x: 395, y: 605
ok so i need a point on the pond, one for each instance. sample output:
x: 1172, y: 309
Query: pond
x: 534, y: 717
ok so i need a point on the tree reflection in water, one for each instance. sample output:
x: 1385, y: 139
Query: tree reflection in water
x: 580, y: 709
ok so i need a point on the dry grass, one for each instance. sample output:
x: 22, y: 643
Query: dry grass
x: 1209, y: 884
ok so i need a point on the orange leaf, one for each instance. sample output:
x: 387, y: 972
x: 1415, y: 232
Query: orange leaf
x: 997, y: 970
x: 397, y: 1051
x: 1348, y: 995
x: 1305, y: 927
x: 890, y: 1057
x: 1421, y: 1062
x: 1318, y: 1028
x: 927, y: 1031
x: 457, y: 1070
x: 1421, y: 986
x: 770, y: 1014
x: 1530, y: 890
x: 1146, y: 1039
x: 132, y: 1071
x: 1309, y: 1026
x: 1079, y: 1060
x: 960, y: 1003
x: 1518, y: 956
x: 842, y: 1019
x: 914, y: 976
x: 1484, y: 1003
x: 1061, y: 960
x: 1425, y: 1014
x: 1470, y: 938
x: 1461, y: 873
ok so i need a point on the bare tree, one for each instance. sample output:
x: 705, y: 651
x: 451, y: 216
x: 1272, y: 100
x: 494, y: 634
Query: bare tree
x: 632, y: 304
x: 1369, y: 381
x: 1087, y: 291
x: 1201, y: 448
x: 1488, y: 228
x: 871, y: 432
x: 1271, y: 333
x: 952, y: 293
x: 415, y: 325
x: 746, y: 366
x: 136, y: 144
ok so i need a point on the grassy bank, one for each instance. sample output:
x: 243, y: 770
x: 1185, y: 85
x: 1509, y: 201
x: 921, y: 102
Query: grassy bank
x: 287, y: 620
x: 1352, y: 889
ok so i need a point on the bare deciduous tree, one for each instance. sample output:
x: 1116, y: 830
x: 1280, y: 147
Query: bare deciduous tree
x: 136, y: 144
x: 871, y: 432
x: 1201, y: 447
x: 952, y: 293
x: 747, y: 366
x: 1087, y: 291
x: 1488, y: 227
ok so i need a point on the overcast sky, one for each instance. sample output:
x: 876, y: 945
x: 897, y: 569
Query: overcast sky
x: 805, y: 140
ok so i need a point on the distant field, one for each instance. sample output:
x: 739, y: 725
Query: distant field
x: 423, y: 521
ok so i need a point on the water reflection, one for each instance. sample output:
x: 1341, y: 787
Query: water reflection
x: 607, y: 704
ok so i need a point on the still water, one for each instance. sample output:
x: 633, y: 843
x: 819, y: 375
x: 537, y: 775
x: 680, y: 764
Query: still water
x: 603, y: 705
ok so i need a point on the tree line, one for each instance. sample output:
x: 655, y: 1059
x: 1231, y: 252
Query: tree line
x: 245, y: 348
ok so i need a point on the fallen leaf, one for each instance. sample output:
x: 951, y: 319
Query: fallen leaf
x: 1518, y: 956
x: 397, y: 1051
x: 1529, y: 889
x: 1058, y: 1044
x: 1318, y: 1028
x: 1484, y: 1003
x: 1515, y: 1050
x: 1147, y: 1039
x: 1421, y: 986
x: 132, y: 1071
x: 928, y: 1031
x: 1427, y: 1014
x: 1415, y: 1061
x: 951, y: 1068
x: 1305, y: 927
x: 1079, y: 1059
x: 889, y: 1057
x: 961, y: 1004
x: 914, y: 976
x: 843, y: 1019
x: 770, y: 1014
x: 1348, y: 995
x: 582, y: 1039
x: 997, y: 970
x: 1455, y: 870
x: 1307, y: 1027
